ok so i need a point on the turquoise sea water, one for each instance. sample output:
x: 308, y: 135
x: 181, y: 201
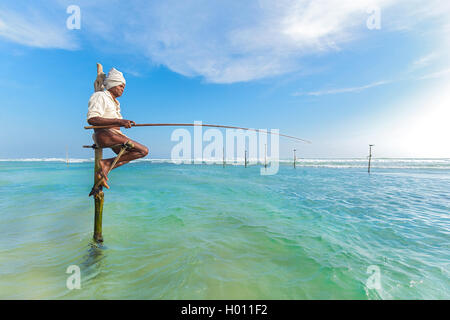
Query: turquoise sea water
x: 207, y: 232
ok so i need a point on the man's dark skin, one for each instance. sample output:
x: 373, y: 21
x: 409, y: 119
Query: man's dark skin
x: 107, y: 138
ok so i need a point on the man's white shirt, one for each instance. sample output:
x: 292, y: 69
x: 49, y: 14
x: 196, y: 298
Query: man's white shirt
x: 102, y: 104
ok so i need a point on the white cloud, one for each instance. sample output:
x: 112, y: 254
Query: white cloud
x: 221, y: 41
x: 425, y: 60
x: 233, y: 41
x: 268, y: 41
x: 435, y: 75
x: 342, y: 90
x: 34, y: 29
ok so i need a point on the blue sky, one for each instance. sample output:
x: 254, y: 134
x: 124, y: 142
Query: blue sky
x: 312, y: 69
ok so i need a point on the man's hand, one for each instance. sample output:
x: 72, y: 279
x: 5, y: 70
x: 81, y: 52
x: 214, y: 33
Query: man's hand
x: 127, y: 123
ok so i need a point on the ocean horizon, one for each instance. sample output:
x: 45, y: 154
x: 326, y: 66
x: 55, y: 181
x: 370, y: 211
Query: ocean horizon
x: 386, y: 163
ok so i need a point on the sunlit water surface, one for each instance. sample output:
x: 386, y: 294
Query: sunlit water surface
x: 207, y: 232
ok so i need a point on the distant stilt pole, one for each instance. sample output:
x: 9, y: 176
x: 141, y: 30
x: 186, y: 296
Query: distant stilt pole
x: 245, y: 161
x: 99, y: 199
x: 265, y: 156
x: 294, y: 158
x: 224, y: 157
x: 370, y: 156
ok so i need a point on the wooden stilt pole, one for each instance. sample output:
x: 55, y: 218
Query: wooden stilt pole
x: 245, y: 161
x: 98, y: 198
x: 224, y: 157
x: 265, y: 156
x: 295, y: 159
x: 97, y: 189
x: 370, y: 156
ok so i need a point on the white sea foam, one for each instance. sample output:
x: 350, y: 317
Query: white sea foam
x: 381, y: 163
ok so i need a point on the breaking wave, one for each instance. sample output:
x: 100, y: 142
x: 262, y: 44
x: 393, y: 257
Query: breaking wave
x: 381, y: 163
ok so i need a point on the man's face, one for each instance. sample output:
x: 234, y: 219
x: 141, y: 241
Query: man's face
x: 117, y: 91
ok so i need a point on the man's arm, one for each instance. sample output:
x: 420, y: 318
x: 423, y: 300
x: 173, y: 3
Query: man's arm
x: 99, y: 121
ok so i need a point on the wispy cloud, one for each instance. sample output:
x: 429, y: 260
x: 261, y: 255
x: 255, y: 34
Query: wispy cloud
x: 266, y: 38
x: 342, y: 90
x: 435, y: 75
x: 228, y: 41
x: 220, y: 41
x: 35, y: 29
x: 235, y: 41
x: 425, y: 60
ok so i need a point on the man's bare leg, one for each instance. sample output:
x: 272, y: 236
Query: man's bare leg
x: 107, y: 139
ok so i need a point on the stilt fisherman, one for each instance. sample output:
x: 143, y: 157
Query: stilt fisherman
x: 104, y: 110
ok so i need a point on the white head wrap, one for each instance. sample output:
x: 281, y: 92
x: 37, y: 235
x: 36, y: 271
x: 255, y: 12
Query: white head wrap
x: 114, y: 78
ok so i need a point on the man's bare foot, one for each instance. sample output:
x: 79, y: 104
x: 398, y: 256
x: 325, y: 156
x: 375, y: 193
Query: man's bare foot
x: 104, y: 168
x: 101, y: 183
x: 102, y: 179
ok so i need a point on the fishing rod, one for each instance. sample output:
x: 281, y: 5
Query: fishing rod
x: 193, y: 125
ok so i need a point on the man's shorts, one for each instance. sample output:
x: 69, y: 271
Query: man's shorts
x: 115, y: 131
